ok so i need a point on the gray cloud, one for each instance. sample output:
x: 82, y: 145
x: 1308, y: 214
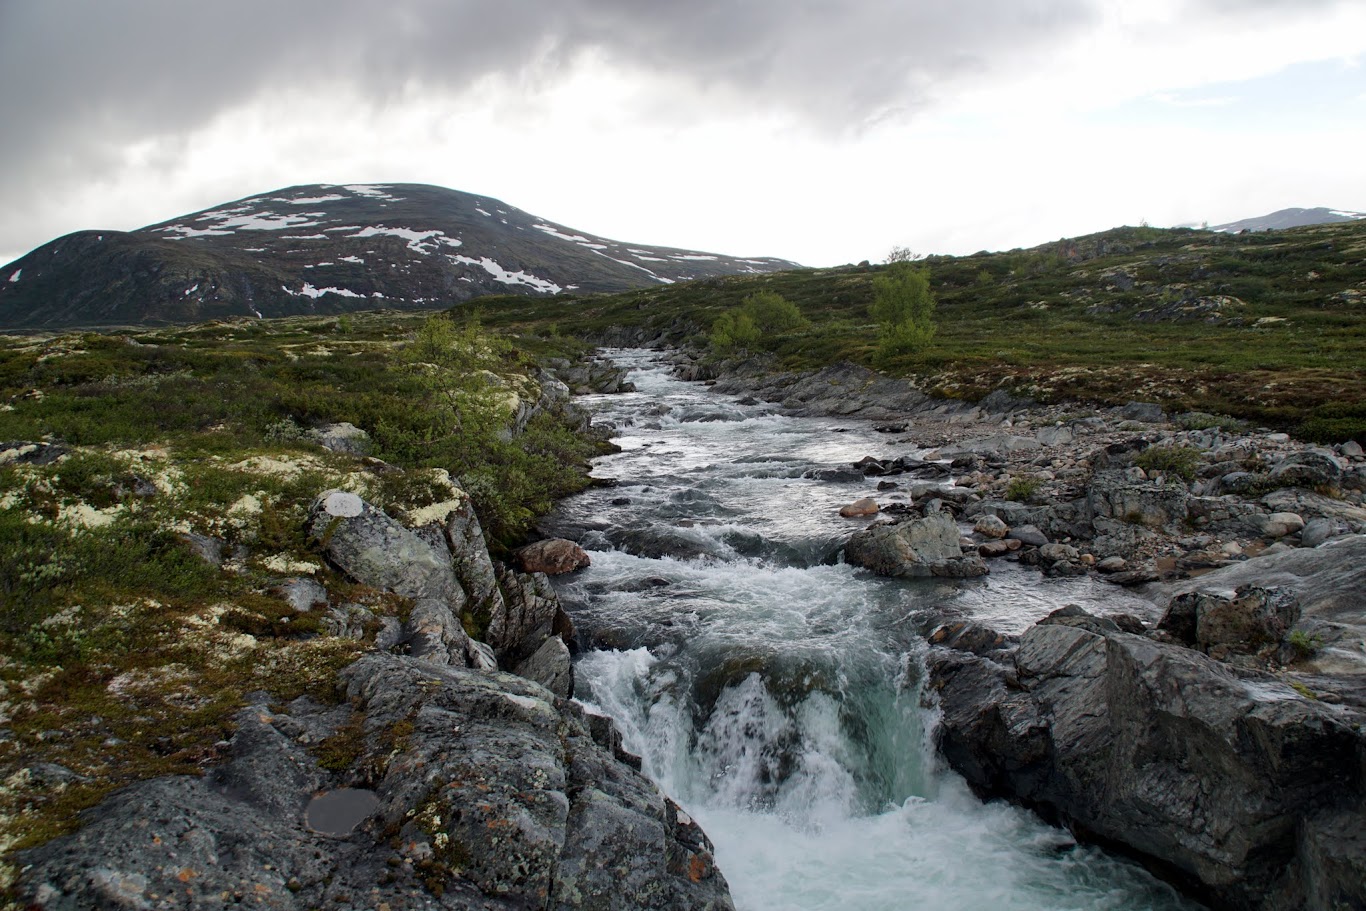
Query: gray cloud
x: 80, y: 79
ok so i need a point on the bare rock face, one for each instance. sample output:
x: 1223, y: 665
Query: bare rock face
x: 1235, y: 783
x: 1249, y: 621
x: 470, y: 790
x: 553, y: 557
x: 372, y: 548
x: 920, y: 547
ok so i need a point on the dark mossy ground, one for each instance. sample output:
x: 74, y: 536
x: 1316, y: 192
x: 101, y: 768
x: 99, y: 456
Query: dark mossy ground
x: 1269, y: 327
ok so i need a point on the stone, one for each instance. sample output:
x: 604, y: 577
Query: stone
x: 502, y: 796
x: 919, y: 547
x: 967, y: 636
x: 1280, y: 524
x: 1110, y: 495
x: 991, y: 527
x: 1206, y: 770
x: 997, y: 445
x: 343, y: 437
x: 1112, y: 565
x: 1028, y: 535
x: 210, y: 550
x: 1317, y: 531
x: 554, y: 556
x: 550, y: 666
x: 1351, y: 449
x: 864, y: 506
x: 301, y: 594
x: 1145, y: 412
x: 528, y: 615
x: 1308, y: 468
x: 993, y: 549
x: 1054, y: 553
x: 373, y: 549
x: 1245, y: 622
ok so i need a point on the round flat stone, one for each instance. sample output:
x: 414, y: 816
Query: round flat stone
x: 344, y: 505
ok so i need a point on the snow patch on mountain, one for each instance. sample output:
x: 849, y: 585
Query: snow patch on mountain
x: 508, y: 278
x: 309, y: 291
x: 424, y: 242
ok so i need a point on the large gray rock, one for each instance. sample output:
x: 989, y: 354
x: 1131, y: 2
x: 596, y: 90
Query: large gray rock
x: 919, y: 547
x: 373, y: 549
x: 550, y: 666
x: 1233, y: 782
x: 480, y: 791
x: 1308, y: 468
x: 1249, y: 621
x: 1111, y: 496
x: 530, y: 614
x: 996, y: 445
x: 343, y: 437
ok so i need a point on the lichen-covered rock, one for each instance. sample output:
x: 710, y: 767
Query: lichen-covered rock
x: 344, y: 437
x: 1308, y: 468
x: 531, y: 613
x: 1229, y: 779
x: 1247, y: 621
x: 372, y: 548
x: 1112, y: 496
x: 483, y: 792
x: 991, y: 527
x: 550, y: 666
x: 919, y: 547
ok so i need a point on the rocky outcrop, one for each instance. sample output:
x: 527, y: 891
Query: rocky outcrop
x: 1234, y: 783
x: 917, y: 547
x: 463, y: 790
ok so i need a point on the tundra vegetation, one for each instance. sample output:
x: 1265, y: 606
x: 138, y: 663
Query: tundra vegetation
x: 140, y: 578
x: 1268, y: 327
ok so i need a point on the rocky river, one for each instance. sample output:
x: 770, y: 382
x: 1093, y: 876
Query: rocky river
x: 778, y: 693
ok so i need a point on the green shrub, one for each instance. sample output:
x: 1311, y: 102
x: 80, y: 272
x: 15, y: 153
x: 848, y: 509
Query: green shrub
x: 903, y: 307
x: 1021, y: 489
x: 773, y: 313
x: 1181, y: 461
x: 733, y: 332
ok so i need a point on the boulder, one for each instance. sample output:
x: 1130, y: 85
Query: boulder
x: 991, y: 527
x: 1279, y: 524
x: 1248, y: 621
x: 864, y: 506
x: 343, y: 437
x: 554, y: 556
x: 1308, y: 468
x: 996, y: 445
x: 1229, y: 781
x: 1028, y: 535
x: 1112, y: 496
x: 529, y: 614
x: 919, y: 547
x: 550, y: 666
x: 373, y: 549
x: 501, y: 796
x: 1145, y: 412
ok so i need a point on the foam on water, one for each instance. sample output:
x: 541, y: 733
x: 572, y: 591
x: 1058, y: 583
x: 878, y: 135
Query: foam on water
x: 775, y: 692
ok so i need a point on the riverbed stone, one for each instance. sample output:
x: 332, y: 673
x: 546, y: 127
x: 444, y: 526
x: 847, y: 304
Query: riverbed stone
x: 1028, y: 535
x: 918, y: 547
x: 864, y: 506
x: 991, y: 527
x: 554, y: 557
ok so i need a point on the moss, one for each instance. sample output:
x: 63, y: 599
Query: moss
x: 343, y: 750
x: 1181, y: 461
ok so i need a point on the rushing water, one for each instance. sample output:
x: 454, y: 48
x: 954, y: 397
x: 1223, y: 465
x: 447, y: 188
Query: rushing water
x: 774, y: 692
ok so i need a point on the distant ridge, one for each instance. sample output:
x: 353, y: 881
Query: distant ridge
x: 1289, y: 218
x: 331, y: 249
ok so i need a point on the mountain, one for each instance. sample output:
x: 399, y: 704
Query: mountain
x: 1289, y: 218
x: 330, y: 249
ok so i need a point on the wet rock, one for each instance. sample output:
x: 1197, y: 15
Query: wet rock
x: 553, y: 557
x: 991, y: 526
x: 918, y: 547
x: 343, y: 437
x: 1054, y: 553
x: 992, y: 549
x: 1219, y: 775
x: 967, y: 636
x: 864, y: 506
x: 1248, y: 621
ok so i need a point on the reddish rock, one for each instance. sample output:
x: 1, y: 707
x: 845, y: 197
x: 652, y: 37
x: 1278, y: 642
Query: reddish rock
x: 865, y: 506
x: 553, y: 557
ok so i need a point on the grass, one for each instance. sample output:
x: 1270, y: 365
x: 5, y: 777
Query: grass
x: 123, y: 654
x: 1054, y: 324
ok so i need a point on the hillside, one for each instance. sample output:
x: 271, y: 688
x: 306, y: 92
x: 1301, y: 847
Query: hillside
x: 327, y: 250
x: 1269, y: 326
x: 1289, y: 218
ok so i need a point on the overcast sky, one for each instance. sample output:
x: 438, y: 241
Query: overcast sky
x: 822, y: 131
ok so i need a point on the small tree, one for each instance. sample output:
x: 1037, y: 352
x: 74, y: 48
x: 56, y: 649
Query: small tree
x: 735, y: 330
x: 772, y: 312
x: 901, y: 254
x: 903, y: 307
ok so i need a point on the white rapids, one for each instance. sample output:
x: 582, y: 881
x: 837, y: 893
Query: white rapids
x: 774, y: 692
